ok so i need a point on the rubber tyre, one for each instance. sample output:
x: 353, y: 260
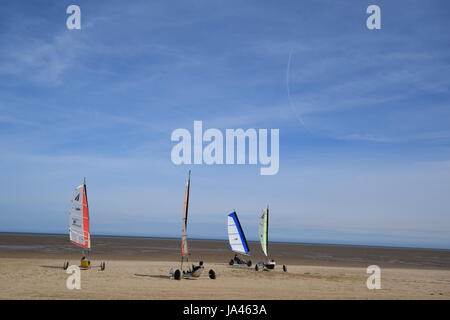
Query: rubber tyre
x: 256, y: 267
x: 249, y: 263
x: 284, y: 268
x: 212, y: 274
x: 231, y: 262
x: 177, y: 275
x: 66, y: 265
x: 102, y: 266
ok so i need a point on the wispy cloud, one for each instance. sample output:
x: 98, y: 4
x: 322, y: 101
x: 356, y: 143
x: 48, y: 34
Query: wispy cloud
x: 42, y: 61
x: 366, y: 137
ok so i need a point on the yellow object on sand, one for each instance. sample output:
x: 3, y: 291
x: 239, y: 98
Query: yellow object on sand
x: 85, y: 263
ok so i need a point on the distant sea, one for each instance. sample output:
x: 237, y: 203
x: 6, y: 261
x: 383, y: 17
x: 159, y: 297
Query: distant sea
x: 22, y: 245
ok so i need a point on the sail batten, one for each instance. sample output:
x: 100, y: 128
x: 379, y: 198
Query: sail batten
x: 236, y: 237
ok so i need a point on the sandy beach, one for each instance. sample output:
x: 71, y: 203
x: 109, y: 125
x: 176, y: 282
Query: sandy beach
x: 137, y: 268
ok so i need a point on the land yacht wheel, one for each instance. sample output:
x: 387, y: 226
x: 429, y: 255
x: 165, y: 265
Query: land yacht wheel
x: 284, y: 268
x: 212, y: 274
x: 177, y: 275
x: 231, y: 262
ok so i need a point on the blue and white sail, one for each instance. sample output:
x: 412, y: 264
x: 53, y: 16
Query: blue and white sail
x: 236, y: 236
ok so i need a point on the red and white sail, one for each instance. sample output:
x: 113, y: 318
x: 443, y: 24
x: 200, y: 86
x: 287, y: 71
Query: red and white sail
x: 184, y: 245
x: 79, y: 218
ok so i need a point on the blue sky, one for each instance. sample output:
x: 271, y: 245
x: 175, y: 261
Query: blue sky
x: 364, y: 117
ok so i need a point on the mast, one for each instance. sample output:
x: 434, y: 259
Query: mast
x: 184, y: 246
x: 86, y: 221
x: 267, y: 231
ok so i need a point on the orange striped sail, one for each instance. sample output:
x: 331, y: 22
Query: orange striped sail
x: 79, y: 218
x: 184, y: 246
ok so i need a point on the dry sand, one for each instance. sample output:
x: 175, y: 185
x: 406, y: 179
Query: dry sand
x: 128, y: 279
x: 28, y: 272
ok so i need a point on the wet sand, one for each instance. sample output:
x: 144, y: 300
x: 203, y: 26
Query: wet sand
x: 137, y: 268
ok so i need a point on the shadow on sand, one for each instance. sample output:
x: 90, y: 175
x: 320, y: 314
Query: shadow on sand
x: 81, y: 268
x: 152, y: 276
x: 158, y: 276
